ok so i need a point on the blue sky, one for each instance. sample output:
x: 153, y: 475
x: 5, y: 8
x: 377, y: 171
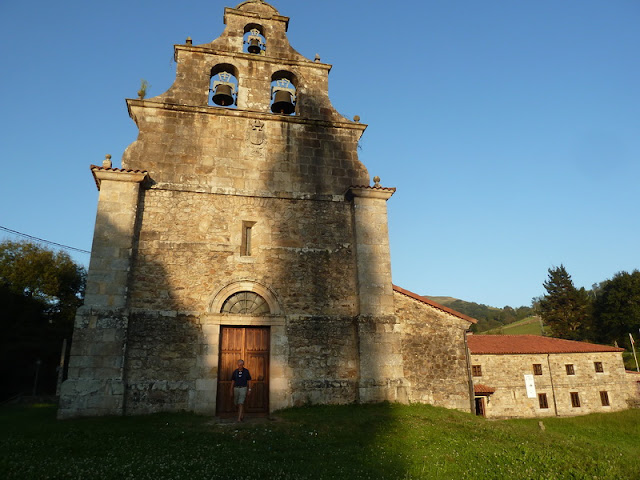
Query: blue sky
x: 510, y: 128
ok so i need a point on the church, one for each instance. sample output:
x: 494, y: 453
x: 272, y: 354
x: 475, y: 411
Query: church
x: 242, y: 224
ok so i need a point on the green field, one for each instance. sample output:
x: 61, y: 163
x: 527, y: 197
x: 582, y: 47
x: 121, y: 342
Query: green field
x: 333, y: 442
x: 526, y: 326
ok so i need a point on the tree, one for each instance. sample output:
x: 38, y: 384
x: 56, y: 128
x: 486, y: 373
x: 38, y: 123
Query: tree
x: 617, y: 308
x: 565, y: 309
x: 40, y: 291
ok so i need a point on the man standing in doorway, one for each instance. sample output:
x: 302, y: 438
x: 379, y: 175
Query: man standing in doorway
x: 240, y: 387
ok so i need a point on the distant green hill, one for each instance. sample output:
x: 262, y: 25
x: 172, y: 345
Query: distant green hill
x: 526, y: 326
x: 488, y: 317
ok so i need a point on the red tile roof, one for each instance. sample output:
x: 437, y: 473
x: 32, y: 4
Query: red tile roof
x: 504, y: 344
x: 433, y: 304
x: 480, y: 389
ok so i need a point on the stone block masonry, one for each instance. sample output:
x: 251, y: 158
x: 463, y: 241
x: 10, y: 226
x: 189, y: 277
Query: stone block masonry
x: 233, y: 231
x: 566, y: 377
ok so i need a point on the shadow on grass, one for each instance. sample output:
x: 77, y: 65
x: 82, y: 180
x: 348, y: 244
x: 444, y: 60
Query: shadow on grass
x: 382, y: 441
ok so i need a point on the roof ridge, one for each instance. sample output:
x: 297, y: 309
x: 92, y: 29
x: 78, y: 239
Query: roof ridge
x: 433, y: 304
x: 532, y: 344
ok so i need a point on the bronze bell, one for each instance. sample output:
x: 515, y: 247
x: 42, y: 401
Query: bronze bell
x: 282, y: 103
x: 222, y: 95
x: 254, y: 46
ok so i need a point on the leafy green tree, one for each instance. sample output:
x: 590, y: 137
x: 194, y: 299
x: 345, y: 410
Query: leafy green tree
x: 565, y: 309
x: 40, y: 291
x: 617, y: 308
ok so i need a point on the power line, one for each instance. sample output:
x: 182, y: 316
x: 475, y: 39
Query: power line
x: 30, y: 237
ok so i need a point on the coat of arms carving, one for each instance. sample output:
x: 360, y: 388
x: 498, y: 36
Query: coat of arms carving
x: 256, y: 134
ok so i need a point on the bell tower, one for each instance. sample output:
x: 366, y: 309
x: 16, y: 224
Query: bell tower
x: 241, y: 223
x: 250, y: 105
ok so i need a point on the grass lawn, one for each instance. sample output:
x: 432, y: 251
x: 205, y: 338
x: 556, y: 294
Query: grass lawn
x: 326, y: 442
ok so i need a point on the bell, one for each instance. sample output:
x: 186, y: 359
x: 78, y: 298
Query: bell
x: 282, y: 103
x: 222, y: 95
x: 254, y: 46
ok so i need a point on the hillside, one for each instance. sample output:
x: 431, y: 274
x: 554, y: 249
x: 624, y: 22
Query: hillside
x: 488, y: 317
x: 526, y: 326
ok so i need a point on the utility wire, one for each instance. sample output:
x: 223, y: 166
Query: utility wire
x: 66, y: 247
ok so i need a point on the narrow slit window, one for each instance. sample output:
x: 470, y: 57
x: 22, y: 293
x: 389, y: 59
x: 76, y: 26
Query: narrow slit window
x: 245, y: 249
x: 604, y: 398
x: 542, y: 400
x: 537, y: 369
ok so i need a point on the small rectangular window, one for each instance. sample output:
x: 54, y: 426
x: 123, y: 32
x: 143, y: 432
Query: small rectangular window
x: 476, y: 370
x: 537, y: 369
x: 604, y: 398
x: 598, y: 367
x: 245, y: 247
x: 570, y: 370
x: 575, y: 400
x: 542, y: 400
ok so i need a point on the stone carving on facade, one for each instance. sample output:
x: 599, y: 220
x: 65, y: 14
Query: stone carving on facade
x: 256, y: 134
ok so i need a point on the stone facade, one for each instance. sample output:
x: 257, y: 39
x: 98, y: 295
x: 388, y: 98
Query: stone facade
x: 434, y: 359
x: 503, y: 374
x: 214, y: 202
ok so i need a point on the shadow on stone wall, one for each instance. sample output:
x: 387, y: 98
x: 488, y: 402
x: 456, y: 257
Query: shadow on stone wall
x: 163, y: 340
x: 148, y: 358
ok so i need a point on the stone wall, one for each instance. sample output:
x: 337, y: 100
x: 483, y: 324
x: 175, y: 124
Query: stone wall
x: 161, y: 367
x: 190, y: 247
x: 434, y: 354
x: 506, y: 373
x: 323, y: 360
x: 168, y: 254
x: 217, y: 150
x: 95, y: 384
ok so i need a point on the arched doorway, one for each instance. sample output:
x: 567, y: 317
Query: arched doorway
x: 250, y: 343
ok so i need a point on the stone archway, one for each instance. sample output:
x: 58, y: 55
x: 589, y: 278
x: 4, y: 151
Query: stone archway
x: 246, y: 303
x: 245, y: 286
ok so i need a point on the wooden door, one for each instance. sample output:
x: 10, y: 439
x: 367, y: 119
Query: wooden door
x: 480, y: 406
x: 252, y: 345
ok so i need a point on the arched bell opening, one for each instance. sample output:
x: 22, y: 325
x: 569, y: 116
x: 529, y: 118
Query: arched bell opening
x: 253, y: 40
x: 283, y: 93
x: 224, y: 86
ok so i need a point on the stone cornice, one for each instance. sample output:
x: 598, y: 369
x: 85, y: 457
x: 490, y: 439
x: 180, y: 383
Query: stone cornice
x: 384, y: 193
x: 248, y: 56
x: 117, y: 174
x: 206, y: 189
x: 234, y: 112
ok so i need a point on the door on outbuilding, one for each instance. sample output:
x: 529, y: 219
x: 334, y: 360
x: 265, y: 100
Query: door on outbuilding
x: 250, y: 344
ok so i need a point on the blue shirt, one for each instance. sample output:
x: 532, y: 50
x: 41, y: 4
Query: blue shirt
x: 241, y: 377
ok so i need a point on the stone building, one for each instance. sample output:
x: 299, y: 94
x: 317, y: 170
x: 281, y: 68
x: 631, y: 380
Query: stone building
x: 533, y: 376
x: 242, y: 224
